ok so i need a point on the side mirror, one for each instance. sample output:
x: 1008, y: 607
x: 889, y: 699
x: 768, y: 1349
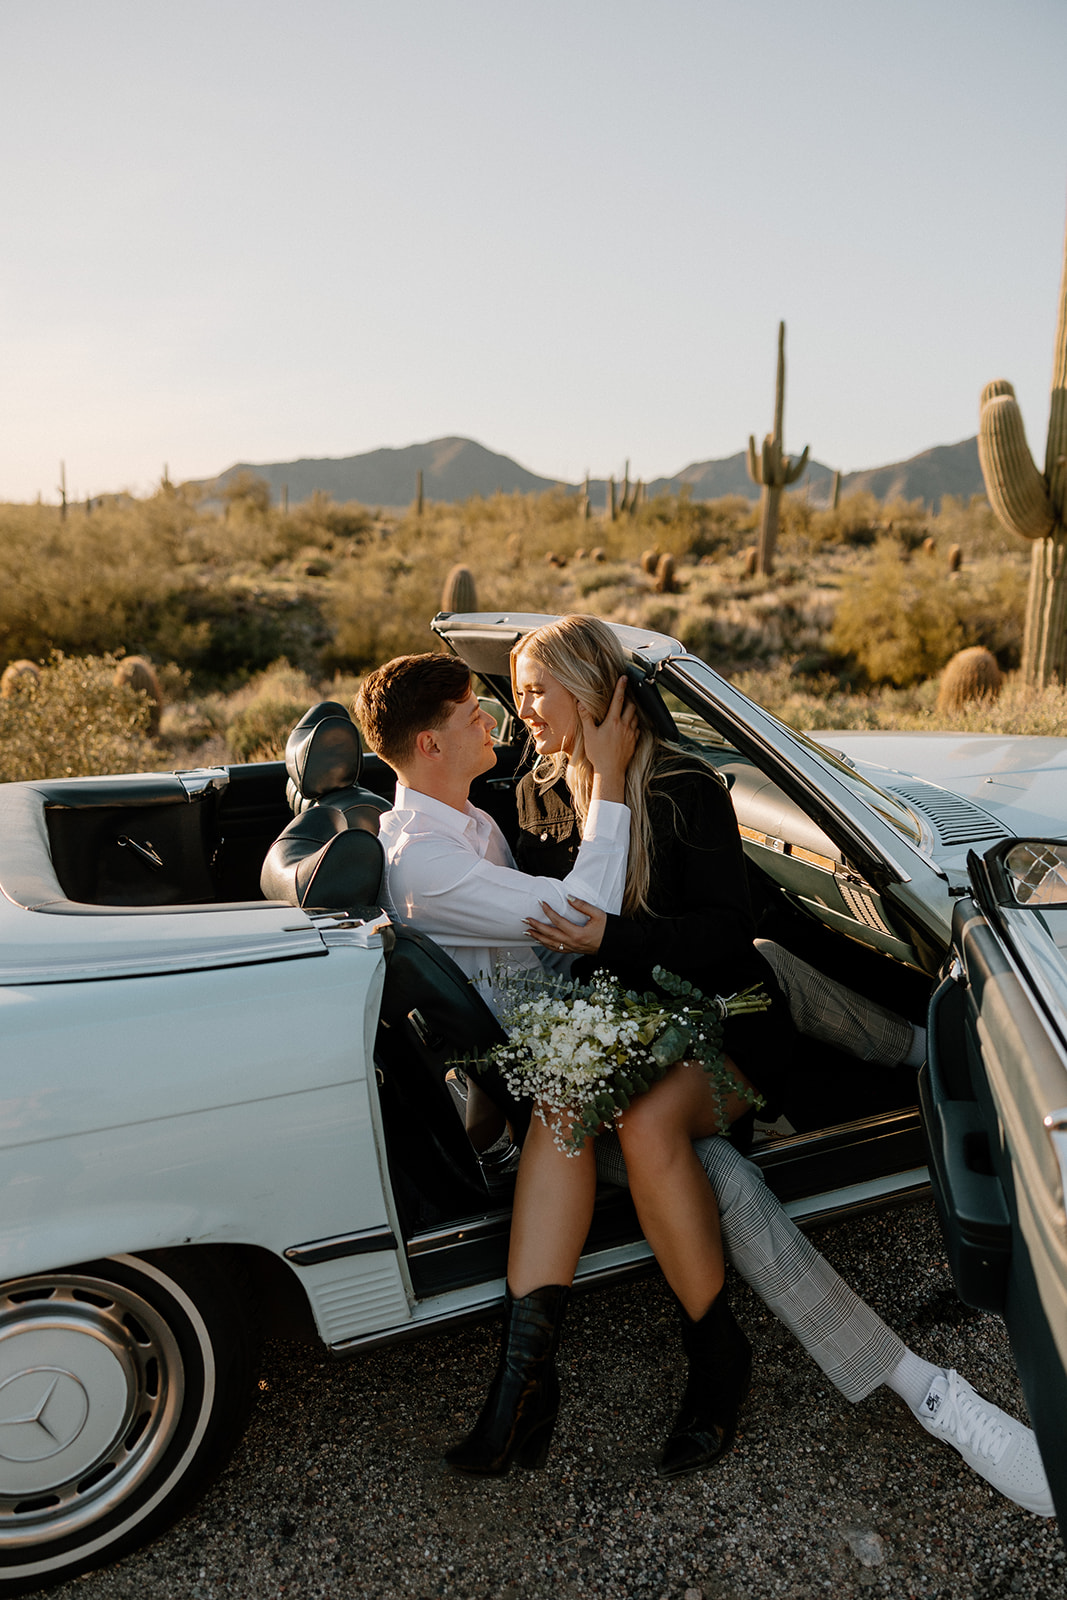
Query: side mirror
x: 1030, y: 872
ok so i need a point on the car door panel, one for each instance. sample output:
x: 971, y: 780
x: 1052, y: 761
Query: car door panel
x: 997, y: 1073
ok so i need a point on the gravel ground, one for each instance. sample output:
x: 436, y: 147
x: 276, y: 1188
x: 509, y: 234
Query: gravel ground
x: 337, y: 1488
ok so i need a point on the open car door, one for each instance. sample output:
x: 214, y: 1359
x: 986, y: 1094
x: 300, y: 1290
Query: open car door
x: 994, y: 1097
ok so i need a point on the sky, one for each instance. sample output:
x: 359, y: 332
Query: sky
x: 248, y: 230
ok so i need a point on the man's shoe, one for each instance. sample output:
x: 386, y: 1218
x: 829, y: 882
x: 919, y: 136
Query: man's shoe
x: 1000, y: 1450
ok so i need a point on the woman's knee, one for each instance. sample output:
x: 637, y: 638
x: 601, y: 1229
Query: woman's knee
x: 650, y: 1134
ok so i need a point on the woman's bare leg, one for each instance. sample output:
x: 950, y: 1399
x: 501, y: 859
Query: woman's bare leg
x: 554, y: 1197
x: 675, y: 1203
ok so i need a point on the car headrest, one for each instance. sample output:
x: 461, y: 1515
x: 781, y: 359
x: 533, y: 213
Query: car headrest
x: 323, y: 753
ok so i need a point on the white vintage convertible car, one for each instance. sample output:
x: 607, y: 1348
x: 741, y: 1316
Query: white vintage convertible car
x: 223, y: 1095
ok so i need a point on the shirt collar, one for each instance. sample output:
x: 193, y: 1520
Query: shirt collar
x: 443, y: 816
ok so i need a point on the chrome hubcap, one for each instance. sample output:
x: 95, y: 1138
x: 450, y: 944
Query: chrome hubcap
x: 91, y: 1390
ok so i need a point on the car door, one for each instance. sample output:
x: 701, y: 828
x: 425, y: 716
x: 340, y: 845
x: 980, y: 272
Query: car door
x: 994, y: 1096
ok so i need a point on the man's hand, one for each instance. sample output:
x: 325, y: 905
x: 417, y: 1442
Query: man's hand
x: 581, y: 939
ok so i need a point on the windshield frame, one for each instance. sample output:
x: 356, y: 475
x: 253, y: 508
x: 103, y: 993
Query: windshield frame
x: 755, y: 732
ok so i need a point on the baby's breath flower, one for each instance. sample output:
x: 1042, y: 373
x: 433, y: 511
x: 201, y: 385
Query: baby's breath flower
x: 583, y: 1052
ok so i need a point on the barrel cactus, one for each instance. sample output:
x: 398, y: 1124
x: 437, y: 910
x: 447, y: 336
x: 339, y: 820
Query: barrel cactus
x: 459, y: 593
x: 17, y: 677
x: 970, y: 675
x: 665, y: 580
x: 773, y: 469
x: 138, y: 673
x: 1033, y: 504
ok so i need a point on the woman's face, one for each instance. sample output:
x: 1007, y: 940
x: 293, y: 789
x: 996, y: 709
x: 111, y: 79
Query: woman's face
x: 549, y: 711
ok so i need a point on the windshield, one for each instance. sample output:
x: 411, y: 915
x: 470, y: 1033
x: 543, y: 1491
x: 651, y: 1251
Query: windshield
x: 700, y: 726
x: 887, y: 805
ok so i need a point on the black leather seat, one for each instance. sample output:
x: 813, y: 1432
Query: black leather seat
x: 330, y: 858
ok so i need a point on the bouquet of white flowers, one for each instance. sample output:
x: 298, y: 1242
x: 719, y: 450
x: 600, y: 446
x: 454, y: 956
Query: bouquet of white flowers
x: 584, y: 1051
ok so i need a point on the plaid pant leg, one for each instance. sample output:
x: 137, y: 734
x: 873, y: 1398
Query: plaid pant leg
x: 824, y: 1009
x: 849, y: 1341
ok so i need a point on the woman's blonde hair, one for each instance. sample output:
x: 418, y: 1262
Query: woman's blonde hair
x: 583, y: 654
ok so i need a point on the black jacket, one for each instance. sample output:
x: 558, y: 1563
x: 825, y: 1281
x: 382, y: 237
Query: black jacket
x: 700, y: 924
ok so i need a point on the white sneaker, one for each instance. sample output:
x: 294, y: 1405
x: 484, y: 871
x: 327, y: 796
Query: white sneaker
x: 1001, y: 1450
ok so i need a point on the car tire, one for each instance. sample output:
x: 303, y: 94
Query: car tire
x: 124, y: 1385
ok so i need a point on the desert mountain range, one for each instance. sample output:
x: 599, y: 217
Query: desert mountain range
x: 455, y: 469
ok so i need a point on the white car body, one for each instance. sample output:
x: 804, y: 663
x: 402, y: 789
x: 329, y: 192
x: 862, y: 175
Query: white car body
x: 185, y: 1082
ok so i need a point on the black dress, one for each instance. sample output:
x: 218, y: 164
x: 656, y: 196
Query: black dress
x: 700, y: 923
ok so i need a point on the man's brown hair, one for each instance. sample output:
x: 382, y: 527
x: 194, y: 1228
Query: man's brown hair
x: 400, y: 700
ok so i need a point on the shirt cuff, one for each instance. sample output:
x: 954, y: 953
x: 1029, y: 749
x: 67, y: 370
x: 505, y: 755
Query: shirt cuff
x: 607, y: 819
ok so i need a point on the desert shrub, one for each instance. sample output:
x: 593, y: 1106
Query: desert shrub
x: 822, y: 702
x: 602, y: 578
x: 246, y: 494
x: 228, y: 632
x: 683, y: 527
x: 900, y: 620
x: 858, y: 520
x: 973, y: 527
x: 315, y: 526
x: 321, y: 516
x: 75, y: 721
x: 264, y: 711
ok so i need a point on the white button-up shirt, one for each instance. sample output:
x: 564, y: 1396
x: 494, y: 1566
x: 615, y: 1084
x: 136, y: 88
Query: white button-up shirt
x: 452, y: 876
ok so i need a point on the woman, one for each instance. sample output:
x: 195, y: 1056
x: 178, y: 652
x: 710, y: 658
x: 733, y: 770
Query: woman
x: 685, y: 908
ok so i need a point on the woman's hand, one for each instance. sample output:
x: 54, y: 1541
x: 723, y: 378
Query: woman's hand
x: 580, y: 939
x: 609, y: 745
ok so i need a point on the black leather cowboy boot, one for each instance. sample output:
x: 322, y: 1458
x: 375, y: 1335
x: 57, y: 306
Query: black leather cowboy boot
x: 720, y: 1371
x: 516, y: 1423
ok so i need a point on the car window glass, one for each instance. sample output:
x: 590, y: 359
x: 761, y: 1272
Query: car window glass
x: 892, y: 810
x: 888, y: 806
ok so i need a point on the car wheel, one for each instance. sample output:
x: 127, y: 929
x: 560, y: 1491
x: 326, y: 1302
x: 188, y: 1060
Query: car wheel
x: 124, y: 1385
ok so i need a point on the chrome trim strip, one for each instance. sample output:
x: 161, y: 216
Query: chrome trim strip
x: 832, y: 1203
x: 366, y: 1242
x: 490, y: 1226
x: 197, y: 780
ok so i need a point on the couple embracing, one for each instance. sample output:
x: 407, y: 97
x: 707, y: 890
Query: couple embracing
x: 634, y: 861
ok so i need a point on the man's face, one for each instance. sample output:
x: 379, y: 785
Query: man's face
x: 466, y: 739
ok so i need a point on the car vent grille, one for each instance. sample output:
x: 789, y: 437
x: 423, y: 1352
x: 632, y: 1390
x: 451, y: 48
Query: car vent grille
x: 955, y: 820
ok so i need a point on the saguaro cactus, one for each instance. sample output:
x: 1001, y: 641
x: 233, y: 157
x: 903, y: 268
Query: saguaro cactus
x: 772, y: 469
x: 1034, y: 504
x: 835, y: 491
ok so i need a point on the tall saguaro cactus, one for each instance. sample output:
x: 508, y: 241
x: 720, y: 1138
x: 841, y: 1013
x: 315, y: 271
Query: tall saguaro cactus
x: 773, y: 469
x: 1034, y: 504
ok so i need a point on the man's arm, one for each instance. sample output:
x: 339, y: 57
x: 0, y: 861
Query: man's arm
x: 440, y: 885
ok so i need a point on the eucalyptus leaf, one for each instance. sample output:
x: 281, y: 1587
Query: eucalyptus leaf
x: 671, y: 1045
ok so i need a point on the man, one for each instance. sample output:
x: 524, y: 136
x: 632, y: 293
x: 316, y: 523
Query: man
x: 450, y: 874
